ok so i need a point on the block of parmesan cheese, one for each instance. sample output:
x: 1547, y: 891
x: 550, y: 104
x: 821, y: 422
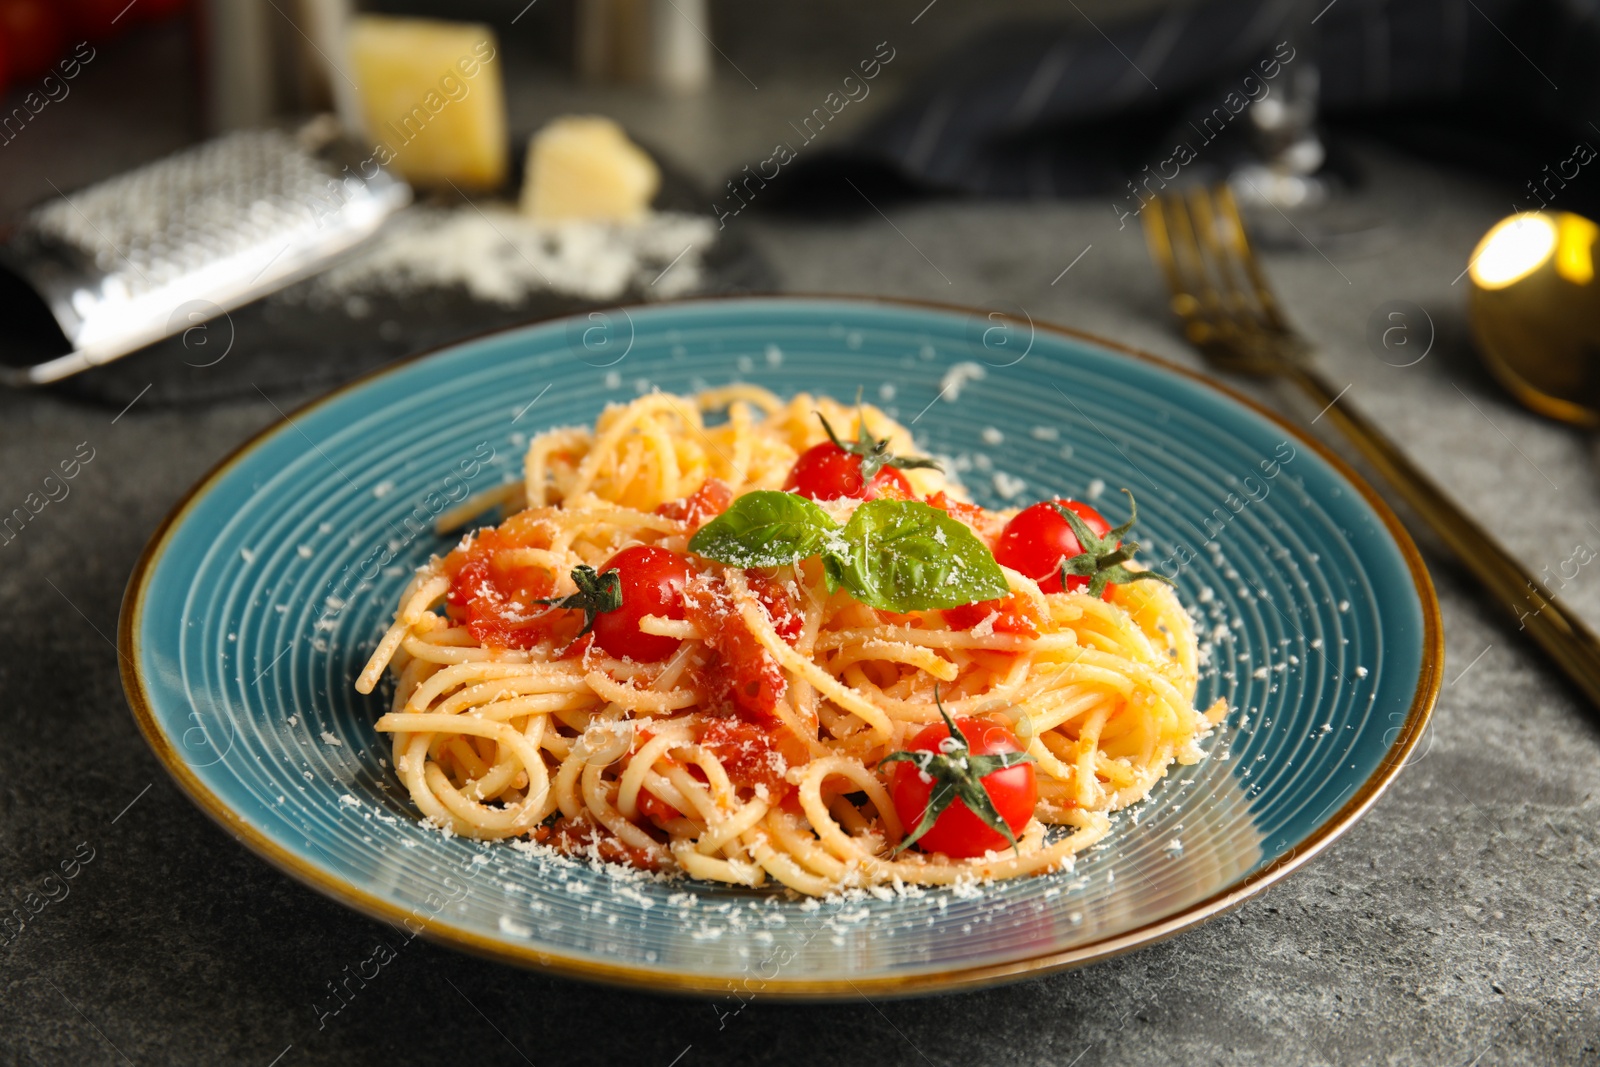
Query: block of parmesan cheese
x: 584, y: 167
x: 431, y: 96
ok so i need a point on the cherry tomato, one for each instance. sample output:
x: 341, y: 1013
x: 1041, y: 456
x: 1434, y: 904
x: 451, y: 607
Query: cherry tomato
x: 1038, y: 539
x: 828, y: 472
x: 33, y: 36
x: 652, y: 584
x: 957, y: 832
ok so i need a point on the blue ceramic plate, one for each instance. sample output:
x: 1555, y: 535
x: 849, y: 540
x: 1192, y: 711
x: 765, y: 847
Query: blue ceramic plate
x: 257, y: 602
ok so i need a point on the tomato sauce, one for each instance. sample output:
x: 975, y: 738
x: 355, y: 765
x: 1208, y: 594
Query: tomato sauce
x: 574, y: 835
x: 497, y: 602
x: 780, y: 609
x: 653, y: 807
x: 1013, y: 615
x: 740, y: 674
x: 701, y: 506
x: 971, y: 514
x: 754, y: 755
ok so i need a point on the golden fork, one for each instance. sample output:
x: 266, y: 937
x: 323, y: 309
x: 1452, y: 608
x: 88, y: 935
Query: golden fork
x: 1229, y: 313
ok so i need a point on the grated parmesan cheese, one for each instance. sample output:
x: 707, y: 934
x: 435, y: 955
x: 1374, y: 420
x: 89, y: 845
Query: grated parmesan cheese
x: 500, y: 256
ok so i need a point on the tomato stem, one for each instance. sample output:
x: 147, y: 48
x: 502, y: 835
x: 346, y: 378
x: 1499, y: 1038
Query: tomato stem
x: 873, y: 451
x: 1102, y: 559
x: 596, y: 595
x: 958, y: 775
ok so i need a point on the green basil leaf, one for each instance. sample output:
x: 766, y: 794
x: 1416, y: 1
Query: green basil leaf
x: 831, y: 574
x: 766, y: 528
x: 903, y: 555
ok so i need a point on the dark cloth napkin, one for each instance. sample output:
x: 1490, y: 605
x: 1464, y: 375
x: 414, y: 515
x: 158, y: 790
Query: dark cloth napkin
x: 1073, y: 107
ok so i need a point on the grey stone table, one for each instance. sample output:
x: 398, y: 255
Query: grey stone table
x: 1456, y: 924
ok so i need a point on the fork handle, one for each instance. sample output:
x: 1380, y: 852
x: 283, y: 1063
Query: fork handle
x: 1536, y: 611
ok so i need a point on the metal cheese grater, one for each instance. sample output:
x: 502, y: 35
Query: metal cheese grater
x: 94, y: 275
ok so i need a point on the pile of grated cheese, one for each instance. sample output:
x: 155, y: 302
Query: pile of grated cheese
x: 500, y: 256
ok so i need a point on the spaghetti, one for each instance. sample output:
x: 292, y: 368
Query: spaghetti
x: 748, y: 753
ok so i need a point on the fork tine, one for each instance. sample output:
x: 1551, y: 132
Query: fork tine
x: 1172, y: 245
x: 1187, y: 238
x: 1206, y: 236
x: 1232, y: 336
x: 1156, y: 235
x: 1246, y: 319
x: 1238, y: 241
x: 1227, y: 308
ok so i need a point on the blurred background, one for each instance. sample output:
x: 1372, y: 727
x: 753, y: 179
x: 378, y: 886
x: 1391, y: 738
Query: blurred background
x: 214, y: 210
x: 731, y: 132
